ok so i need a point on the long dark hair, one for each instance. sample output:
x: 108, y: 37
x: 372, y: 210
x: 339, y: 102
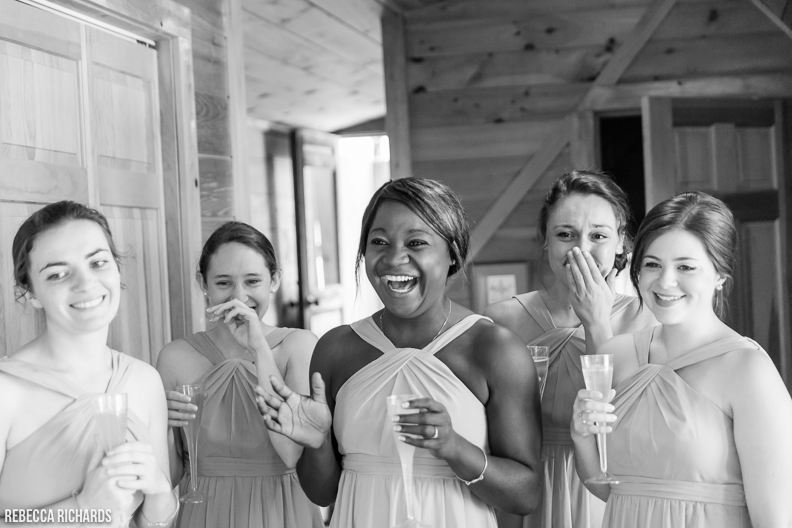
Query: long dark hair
x: 704, y: 216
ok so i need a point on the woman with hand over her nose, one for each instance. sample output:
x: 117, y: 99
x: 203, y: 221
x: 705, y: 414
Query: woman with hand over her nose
x: 584, y: 224
x: 701, y: 420
x: 67, y: 265
x: 476, y: 429
x: 246, y: 471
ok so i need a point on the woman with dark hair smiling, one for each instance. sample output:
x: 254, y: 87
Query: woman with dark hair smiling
x: 66, y: 264
x: 477, y: 426
x: 584, y: 224
x: 246, y: 471
x: 701, y: 420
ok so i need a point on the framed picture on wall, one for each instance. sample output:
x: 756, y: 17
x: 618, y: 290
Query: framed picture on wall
x: 496, y: 282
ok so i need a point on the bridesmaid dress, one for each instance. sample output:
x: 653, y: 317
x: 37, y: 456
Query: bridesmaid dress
x: 246, y: 482
x: 52, y: 461
x: 567, y: 503
x: 673, y: 449
x: 371, y: 492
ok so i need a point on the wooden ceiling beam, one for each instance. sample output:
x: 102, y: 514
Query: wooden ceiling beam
x: 779, y: 12
x: 555, y: 143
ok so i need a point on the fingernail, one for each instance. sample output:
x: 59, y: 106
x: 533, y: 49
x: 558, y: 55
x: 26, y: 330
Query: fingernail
x: 402, y: 438
x: 406, y: 405
x: 395, y: 418
x: 397, y: 428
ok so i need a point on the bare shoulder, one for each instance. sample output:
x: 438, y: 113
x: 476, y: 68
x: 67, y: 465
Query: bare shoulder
x: 300, y: 342
x: 509, y: 313
x: 745, y: 369
x: 496, y: 349
x: 179, y: 363
x: 635, y: 316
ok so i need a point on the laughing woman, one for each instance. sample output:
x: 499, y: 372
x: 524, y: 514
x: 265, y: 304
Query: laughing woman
x: 477, y: 429
x: 66, y: 264
x: 246, y: 471
x: 700, y: 434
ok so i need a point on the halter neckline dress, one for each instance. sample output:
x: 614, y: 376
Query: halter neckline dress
x: 247, y: 483
x: 52, y: 461
x: 371, y: 491
x: 566, y: 503
x: 673, y: 448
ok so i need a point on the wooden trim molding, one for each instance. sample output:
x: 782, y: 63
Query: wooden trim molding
x: 779, y: 12
x: 397, y: 117
x: 237, y: 110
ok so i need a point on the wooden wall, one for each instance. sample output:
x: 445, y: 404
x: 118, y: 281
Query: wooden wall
x: 501, y: 94
x: 214, y: 56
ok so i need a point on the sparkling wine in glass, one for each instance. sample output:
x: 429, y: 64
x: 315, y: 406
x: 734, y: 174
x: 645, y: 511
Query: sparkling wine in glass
x: 406, y: 453
x: 193, y: 427
x: 598, y: 375
x: 541, y: 359
x: 110, y: 426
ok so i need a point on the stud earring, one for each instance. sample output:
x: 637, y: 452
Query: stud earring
x: 206, y: 294
x: 719, y: 287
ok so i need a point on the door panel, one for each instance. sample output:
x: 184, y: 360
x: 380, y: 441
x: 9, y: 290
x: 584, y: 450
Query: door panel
x: 730, y: 149
x: 80, y: 120
x: 315, y: 190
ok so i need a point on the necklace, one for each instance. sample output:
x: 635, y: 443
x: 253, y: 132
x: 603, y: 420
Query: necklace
x: 438, y: 332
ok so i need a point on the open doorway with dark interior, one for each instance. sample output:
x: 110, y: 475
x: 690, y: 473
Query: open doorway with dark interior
x: 621, y: 154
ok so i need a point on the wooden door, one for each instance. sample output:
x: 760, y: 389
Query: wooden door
x: 731, y: 149
x: 317, y: 230
x: 80, y: 121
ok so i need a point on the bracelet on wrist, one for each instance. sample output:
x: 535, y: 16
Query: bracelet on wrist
x: 481, y: 476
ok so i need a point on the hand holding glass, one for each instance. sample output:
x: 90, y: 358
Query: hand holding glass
x: 196, y: 394
x: 598, y: 375
x: 406, y: 453
x: 110, y: 426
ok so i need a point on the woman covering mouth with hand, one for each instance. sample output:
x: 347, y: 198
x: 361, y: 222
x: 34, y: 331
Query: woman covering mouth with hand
x: 584, y: 225
x: 246, y: 471
x: 477, y: 426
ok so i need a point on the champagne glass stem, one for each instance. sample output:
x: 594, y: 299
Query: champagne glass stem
x: 408, y: 484
x: 193, y: 462
x: 603, y: 456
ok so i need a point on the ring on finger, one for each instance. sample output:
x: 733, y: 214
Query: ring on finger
x: 436, y: 433
x: 580, y: 414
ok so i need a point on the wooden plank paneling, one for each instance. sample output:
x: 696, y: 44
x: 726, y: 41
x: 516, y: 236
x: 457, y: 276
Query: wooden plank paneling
x: 480, y: 141
x: 505, y: 9
x: 661, y: 60
x: 494, y: 105
x: 214, y: 136
x: 729, y: 17
x: 779, y: 12
x: 548, y: 30
x: 517, y: 68
x: 217, y: 187
x: 209, y: 65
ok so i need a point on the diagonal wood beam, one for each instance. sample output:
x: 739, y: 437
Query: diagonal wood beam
x: 778, y: 11
x: 530, y: 173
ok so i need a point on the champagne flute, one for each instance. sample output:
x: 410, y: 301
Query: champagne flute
x: 406, y: 453
x: 541, y: 358
x: 193, y: 427
x: 110, y: 425
x: 598, y: 375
